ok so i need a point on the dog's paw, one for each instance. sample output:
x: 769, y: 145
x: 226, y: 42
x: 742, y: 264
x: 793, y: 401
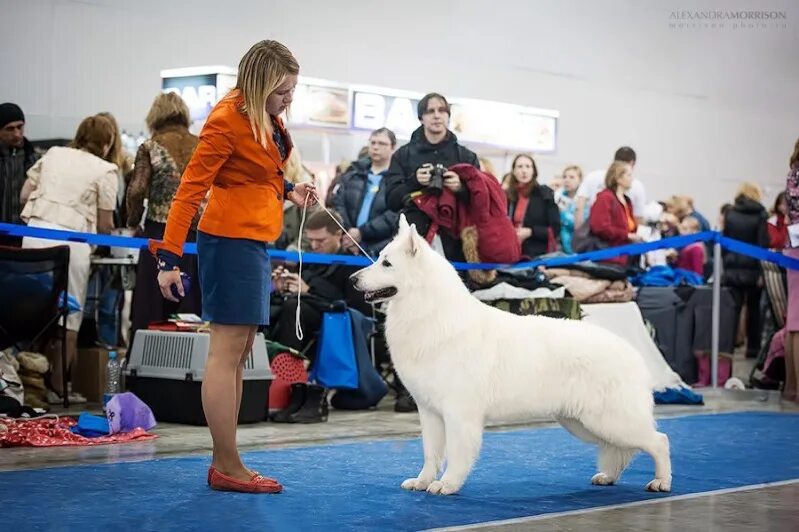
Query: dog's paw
x: 415, y: 484
x: 437, y: 487
x: 659, y: 484
x: 601, y: 479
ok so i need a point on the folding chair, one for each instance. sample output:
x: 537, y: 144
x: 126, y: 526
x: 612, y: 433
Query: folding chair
x: 33, y: 299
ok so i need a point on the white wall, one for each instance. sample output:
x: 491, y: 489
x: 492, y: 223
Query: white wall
x: 704, y: 108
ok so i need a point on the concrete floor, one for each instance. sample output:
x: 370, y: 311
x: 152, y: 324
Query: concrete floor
x: 773, y: 508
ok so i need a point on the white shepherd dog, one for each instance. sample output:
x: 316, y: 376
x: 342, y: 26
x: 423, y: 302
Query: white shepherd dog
x: 467, y: 363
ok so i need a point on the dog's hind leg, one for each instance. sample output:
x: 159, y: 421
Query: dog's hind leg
x: 611, y: 462
x: 626, y: 430
x: 464, y: 437
x: 433, y: 442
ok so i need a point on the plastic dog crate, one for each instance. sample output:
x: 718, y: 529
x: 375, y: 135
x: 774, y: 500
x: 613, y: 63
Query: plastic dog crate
x: 166, y: 370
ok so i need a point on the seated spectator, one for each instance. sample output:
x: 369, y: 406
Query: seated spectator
x: 411, y: 171
x: 361, y: 197
x: 160, y: 162
x: 572, y: 177
x: 692, y: 256
x: 532, y: 208
x: 778, y: 223
x: 612, y: 218
x: 341, y: 168
x: 320, y: 285
x: 72, y: 189
x: 16, y: 157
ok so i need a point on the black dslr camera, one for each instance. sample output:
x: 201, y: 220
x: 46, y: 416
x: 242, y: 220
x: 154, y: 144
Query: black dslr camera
x: 437, y: 177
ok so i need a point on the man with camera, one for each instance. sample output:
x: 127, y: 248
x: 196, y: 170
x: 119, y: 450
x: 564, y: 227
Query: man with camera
x: 421, y: 167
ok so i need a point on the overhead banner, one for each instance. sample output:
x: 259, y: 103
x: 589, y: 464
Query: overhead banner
x: 332, y: 105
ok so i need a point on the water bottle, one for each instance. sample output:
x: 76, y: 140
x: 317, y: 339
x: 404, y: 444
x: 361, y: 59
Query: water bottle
x: 112, y: 374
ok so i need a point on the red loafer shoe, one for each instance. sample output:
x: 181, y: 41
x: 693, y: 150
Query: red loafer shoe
x: 256, y: 484
x: 211, y: 469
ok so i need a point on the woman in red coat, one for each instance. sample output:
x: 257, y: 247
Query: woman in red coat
x: 612, y: 218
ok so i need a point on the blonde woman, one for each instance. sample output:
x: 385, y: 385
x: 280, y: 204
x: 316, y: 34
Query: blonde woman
x: 240, y: 158
x: 572, y: 177
x: 746, y: 221
x: 160, y: 161
x: 73, y: 189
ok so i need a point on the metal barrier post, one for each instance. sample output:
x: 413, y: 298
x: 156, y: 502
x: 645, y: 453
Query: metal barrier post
x: 714, y: 341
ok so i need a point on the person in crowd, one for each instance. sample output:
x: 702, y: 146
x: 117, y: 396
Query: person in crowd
x: 532, y: 208
x: 746, y: 221
x: 160, y: 162
x: 412, y: 169
x: 778, y: 223
x: 487, y: 166
x: 75, y: 189
x: 105, y: 281
x: 17, y: 155
x: 791, y: 388
x: 612, y: 217
x: 319, y: 286
x: 692, y: 256
x: 240, y: 157
x: 722, y: 213
x: 361, y: 197
x: 295, y: 172
x: 594, y: 182
x: 556, y: 184
x: 682, y: 206
x: 341, y: 168
x: 572, y: 177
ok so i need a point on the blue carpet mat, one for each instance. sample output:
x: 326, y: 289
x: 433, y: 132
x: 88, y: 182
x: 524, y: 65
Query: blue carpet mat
x: 356, y: 486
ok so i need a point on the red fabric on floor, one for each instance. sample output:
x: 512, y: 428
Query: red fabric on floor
x: 51, y: 432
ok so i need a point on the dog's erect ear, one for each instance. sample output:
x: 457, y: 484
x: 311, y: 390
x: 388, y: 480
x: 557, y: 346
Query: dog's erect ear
x: 403, y: 225
x: 414, y: 240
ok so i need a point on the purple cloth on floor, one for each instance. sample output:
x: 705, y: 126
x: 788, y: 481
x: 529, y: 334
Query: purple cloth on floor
x: 127, y: 412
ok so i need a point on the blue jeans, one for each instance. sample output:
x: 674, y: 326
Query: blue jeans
x: 104, y: 309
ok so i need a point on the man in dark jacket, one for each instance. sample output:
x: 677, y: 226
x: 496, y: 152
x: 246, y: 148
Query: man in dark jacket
x: 746, y: 221
x: 413, y: 165
x: 360, y: 198
x: 320, y: 285
x: 16, y: 157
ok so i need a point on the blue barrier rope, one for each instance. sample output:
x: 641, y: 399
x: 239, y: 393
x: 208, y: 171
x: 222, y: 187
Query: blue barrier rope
x: 676, y: 242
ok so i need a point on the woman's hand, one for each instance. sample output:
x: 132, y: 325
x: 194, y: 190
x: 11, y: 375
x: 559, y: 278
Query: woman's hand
x: 300, y: 191
x: 166, y: 279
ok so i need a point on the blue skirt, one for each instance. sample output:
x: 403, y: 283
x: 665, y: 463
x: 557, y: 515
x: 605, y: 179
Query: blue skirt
x: 235, y: 277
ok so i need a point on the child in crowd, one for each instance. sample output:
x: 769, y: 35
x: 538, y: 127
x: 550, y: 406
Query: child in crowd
x: 692, y: 256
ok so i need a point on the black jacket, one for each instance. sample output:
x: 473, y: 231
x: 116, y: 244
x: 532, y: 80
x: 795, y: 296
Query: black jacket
x: 14, y: 165
x: 401, y: 176
x: 542, y: 213
x: 347, y: 201
x: 747, y: 222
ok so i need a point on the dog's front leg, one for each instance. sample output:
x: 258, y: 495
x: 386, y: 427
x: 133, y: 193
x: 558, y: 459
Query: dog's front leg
x: 433, y: 442
x: 464, y: 436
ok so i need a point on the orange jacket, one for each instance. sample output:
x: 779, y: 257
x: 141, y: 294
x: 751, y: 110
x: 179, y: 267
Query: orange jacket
x: 246, y: 182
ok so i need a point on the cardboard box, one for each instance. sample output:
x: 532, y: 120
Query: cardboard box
x: 88, y: 372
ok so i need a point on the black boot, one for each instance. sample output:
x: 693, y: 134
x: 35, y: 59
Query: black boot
x: 405, y: 402
x: 314, y: 410
x: 298, y: 393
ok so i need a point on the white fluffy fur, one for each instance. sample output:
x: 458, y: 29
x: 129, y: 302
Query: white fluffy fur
x: 466, y: 363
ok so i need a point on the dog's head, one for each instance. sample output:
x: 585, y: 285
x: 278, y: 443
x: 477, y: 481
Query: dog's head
x: 397, y: 268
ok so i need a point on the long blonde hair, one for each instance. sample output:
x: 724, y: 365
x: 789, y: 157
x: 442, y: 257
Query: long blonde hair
x: 116, y: 154
x: 262, y: 69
